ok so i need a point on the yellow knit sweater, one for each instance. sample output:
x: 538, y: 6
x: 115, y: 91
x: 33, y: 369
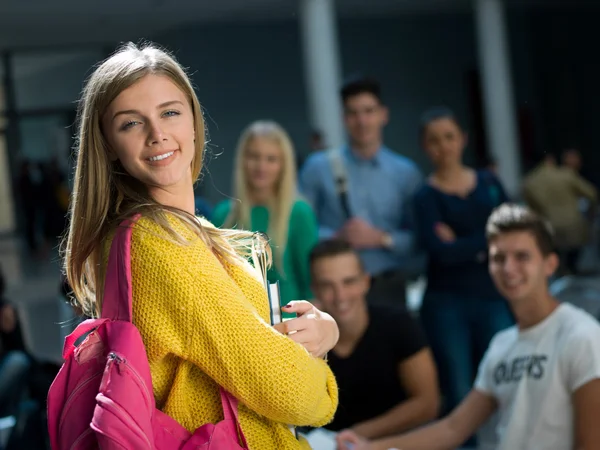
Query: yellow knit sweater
x: 205, y: 325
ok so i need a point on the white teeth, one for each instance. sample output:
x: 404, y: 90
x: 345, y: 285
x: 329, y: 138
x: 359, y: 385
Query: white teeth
x: 159, y: 157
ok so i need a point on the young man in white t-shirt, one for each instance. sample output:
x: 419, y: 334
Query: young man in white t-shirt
x: 542, y: 375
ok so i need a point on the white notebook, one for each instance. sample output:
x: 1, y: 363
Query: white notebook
x: 274, y: 302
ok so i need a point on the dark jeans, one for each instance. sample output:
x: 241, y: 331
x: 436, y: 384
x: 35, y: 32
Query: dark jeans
x: 14, y: 371
x: 388, y: 288
x: 459, y: 330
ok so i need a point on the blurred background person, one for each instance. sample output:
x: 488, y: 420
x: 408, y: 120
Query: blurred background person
x: 555, y: 192
x: 462, y: 309
x: 372, y: 212
x: 384, y: 368
x: 266, y: 200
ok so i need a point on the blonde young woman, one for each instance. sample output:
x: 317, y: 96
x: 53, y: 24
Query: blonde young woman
x: 201, y: 310
x: 266, y: 200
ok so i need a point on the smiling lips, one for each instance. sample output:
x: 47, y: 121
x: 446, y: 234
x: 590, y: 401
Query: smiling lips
x: 161, y: 159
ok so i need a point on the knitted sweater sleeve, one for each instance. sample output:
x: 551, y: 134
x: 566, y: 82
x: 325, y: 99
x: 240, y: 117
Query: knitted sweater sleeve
x: 196, y: 312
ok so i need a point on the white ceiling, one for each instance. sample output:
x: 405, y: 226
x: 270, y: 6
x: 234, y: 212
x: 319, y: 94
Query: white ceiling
x: 38, y: 23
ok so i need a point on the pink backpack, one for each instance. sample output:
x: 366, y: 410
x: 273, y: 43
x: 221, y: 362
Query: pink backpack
x: 102, y: 397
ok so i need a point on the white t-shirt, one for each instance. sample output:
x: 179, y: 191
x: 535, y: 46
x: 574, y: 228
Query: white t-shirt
x: 533, y: 373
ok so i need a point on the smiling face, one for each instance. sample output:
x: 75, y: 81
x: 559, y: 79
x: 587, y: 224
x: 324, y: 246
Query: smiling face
x: 150, y: 129
x: 341, y: 284
x: 518, y: 267
x: 263, y: 164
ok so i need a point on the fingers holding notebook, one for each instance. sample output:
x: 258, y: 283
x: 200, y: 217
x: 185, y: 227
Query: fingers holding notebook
x: 315, y: 330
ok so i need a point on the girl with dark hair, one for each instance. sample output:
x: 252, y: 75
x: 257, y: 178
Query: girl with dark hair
x: 461, y: 309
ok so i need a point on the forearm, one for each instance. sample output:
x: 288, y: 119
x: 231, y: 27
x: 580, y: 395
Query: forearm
x: 406, y: 416
x: 463, y: 249
x: 437, y: 436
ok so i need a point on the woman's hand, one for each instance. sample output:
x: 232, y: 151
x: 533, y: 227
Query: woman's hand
x: 349, y: 440
x: 315, y: 330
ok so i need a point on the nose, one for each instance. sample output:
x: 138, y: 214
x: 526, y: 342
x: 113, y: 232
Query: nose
x: 338, y: 294
x: 156, y: 135
x: 510, y: 265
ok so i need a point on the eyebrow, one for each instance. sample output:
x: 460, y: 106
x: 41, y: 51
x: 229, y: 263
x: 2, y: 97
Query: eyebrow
x: 135, y: 111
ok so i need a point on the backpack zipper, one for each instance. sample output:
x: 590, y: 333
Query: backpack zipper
x: 71, y: 397
x: 120, y: 360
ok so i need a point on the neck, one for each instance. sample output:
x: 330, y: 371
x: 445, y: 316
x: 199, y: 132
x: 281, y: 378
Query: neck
x: 449, y: 172
x: 181, y: 198
x: 352, y: 330
x: 533, y: 311
x: 260, y: 196
x: 366, y: 151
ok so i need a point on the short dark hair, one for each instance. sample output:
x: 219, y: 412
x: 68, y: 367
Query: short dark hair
x: 330, y: 248
x: 510, y: 217
x: 436, y: 113
x: 360, y: 84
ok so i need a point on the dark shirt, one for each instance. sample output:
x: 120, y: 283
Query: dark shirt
x: 459, y: 267
x: 368, y: 380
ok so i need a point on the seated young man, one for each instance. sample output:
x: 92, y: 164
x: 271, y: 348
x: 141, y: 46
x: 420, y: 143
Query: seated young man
x: 385, y: 372
x: 542, y: 375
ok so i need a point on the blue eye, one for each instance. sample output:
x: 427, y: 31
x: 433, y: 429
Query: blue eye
x: 171, y: 113
x: 128, y: 125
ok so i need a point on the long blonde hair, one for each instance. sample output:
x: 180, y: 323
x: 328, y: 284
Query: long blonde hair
x: 285, y: 193
x: 104, y: 194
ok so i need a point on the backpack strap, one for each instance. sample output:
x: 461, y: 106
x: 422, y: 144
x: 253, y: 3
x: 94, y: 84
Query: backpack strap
x: 117, y: 300
x: 230, y: 413
x: 340, y: 178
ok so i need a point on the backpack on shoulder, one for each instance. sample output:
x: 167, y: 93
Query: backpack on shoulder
x: 102, y: 396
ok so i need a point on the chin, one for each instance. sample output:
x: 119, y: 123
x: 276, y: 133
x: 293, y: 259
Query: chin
x: 515, y: 298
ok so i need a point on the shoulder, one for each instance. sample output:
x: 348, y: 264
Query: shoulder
x: 301, y: 208
x: 503, y: 339
x: 303, y: 221
x: 425, y: 192
x: 579, y: 326
x: 399, y: 161
x: 391, y: 320
x: 487, y: 176
x: 149, y: 235
x: 316, y: 161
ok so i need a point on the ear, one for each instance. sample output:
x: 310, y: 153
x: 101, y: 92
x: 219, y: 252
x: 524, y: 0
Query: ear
x: 552, y: 263
x: 367, y: 282
x: 385, y: 114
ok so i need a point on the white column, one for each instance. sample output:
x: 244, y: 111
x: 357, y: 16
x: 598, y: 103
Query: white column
x: 7, y: 218
x: 322, y: 68
x: 499, y: 106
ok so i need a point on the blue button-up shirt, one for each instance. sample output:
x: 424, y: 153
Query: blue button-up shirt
x: 380, y: 191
